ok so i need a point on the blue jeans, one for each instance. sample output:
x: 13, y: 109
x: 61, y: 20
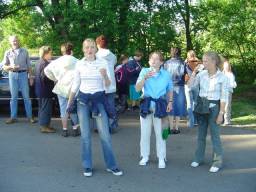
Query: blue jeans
x: 63, y: 102
x: 191, y: 96
x: 204, y: 121
x: 110, y: 103
x: 102, y: 125
x: 19, y: 82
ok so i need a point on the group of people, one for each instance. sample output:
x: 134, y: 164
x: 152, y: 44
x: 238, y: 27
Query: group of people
x: 86, y: 91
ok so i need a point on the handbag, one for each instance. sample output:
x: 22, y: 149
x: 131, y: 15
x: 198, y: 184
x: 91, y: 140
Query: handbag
x: 202, y: 105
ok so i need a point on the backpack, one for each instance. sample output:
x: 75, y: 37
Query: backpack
x: 121, y: 75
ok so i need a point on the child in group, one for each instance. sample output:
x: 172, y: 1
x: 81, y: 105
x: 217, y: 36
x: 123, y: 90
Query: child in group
x: 210, y: 107
x: 191, y: 94
x: 122, y: 82
x: 156, y: 85
x: 231, y: 85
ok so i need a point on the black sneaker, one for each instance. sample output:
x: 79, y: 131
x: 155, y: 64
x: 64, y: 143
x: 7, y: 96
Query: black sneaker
x: 64, y: 133
x: 175, y: 131
x: 115, y: 171
x: 88, y: 172
x: 75, y: 132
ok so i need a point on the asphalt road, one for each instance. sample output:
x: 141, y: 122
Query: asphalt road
x: 31, y: 161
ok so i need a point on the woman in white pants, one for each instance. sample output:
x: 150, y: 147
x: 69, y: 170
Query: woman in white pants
x: 155, y: 83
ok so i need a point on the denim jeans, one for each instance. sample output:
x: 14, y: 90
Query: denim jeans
x: 45, y: 111
x: 63, y: 102
x: 110, y: 102
x: 206, y: 120
x: 102, y: 125
x: 191, y: 96
x: 19, y: 82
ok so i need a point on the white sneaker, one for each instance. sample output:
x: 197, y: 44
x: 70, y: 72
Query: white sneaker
x: 143, y: 161
x: 214, y: 169
x: 194, y: 164
x: 161, y: 164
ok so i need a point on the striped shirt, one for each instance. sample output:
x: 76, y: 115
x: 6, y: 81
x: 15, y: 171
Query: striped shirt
x: 213, y: 87
x: 88, y: 78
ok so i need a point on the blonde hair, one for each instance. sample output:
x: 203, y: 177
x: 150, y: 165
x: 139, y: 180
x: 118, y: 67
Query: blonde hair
x: 44, y: 50
x: 214, y: 57
x: 90, y: 40
x: 191, y: 54
x: 159, y: 53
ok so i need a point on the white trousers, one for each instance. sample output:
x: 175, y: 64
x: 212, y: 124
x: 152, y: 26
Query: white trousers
x: 146, y: 127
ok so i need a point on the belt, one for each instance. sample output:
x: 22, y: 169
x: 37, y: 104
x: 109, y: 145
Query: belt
x: 20, y: 71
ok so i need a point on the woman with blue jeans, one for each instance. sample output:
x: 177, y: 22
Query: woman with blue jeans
x: 90, y: 82
x: 213, y: 92
x: 61, y: 71
x: 191, y: 94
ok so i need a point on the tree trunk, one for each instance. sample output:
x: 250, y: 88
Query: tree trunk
x: 187, y: 26
x: 123, y: 26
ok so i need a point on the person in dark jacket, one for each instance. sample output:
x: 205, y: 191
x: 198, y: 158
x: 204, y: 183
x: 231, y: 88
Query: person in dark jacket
x: 43, y: 89
x: 133, y: 69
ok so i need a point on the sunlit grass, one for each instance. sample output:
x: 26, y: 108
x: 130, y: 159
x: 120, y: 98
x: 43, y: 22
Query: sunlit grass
x: 244, y: 105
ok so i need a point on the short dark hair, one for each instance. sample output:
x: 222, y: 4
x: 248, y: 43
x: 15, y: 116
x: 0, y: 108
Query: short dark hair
x: 138, y: 53
x: 66, y: 48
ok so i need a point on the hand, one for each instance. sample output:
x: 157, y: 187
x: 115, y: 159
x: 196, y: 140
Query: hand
x: 16, y: 67
x: 103, y: 72
x: 169, y: 107
x: 31, y: 81
x: 197, y: 69
x: 219, y: 119
x: 149, y: 74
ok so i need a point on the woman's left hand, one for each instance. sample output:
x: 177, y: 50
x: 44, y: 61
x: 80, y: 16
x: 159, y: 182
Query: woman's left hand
x: 169, y: 107
x: 219, y: 119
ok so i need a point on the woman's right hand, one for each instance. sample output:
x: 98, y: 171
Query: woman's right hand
x: 149, y: 74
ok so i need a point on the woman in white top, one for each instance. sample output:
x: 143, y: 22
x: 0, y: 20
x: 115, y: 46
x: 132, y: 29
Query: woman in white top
x: 210, y: 107
x: 61, y: 71
x: 90, y: 83
x: 231, y: 85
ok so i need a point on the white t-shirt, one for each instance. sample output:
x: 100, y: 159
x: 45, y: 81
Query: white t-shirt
x: 231, y: 81
x: 88, y: 78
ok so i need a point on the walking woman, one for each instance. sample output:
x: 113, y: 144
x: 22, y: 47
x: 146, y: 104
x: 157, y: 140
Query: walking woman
x: 210, y: 107
x: 92, y: 77
x: 155, y: 83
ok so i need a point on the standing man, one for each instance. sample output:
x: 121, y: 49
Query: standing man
x: 16, y: 61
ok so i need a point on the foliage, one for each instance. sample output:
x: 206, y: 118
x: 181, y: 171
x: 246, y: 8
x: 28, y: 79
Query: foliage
x: 225, y: 26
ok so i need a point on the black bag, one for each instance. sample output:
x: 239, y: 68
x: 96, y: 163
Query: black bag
x: 202, y: 105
